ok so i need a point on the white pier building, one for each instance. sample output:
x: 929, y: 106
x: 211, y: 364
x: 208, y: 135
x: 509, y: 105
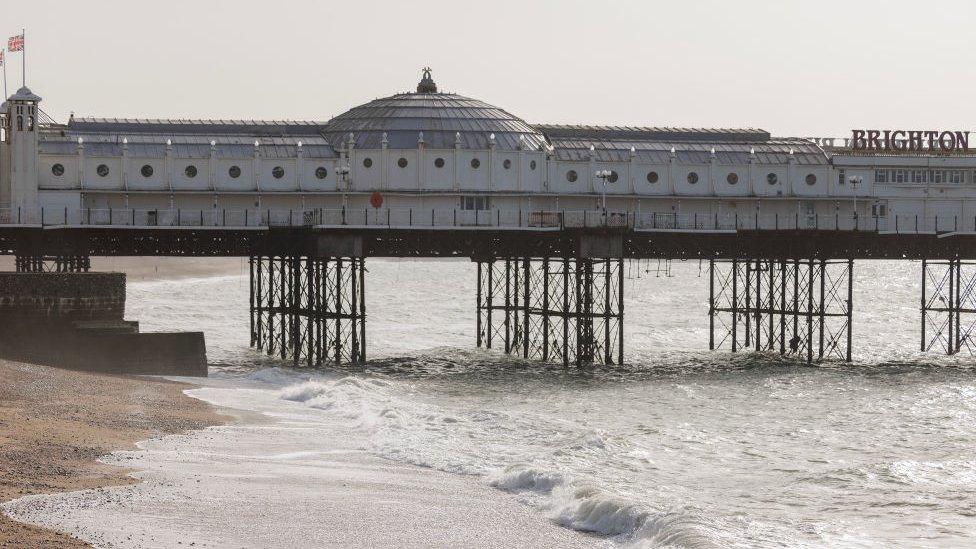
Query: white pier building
x: 428, y: 157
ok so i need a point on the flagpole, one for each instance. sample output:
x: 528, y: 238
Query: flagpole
x: 23, y: 58
x: 3, y: 53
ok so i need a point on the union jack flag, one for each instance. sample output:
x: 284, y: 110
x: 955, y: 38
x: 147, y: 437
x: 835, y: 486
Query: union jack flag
x: 16, y: 43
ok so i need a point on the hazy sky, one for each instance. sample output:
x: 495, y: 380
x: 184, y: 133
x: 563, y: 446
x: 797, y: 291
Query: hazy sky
x: 792, y: 67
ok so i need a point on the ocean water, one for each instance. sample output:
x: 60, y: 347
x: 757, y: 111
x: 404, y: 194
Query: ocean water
x: 681, y: 447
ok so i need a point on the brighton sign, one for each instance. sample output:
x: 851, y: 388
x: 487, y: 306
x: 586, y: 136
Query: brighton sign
x: 909, y: 141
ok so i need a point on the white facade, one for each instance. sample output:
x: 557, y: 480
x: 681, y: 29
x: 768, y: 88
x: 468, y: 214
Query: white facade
x: 99, y: 164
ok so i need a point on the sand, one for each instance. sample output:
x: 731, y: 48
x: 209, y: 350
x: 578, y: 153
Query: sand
x: 55, y: 423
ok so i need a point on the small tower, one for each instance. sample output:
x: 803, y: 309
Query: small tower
x: 18, y: 179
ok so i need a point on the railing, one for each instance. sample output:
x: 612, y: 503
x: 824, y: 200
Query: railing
x: 476, y: 219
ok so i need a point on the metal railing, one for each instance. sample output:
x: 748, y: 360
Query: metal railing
x: 475, y: 219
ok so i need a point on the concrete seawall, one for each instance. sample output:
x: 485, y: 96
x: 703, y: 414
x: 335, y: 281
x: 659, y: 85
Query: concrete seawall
x: 75, y: 320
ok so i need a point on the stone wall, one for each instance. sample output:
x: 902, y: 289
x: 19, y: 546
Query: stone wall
x: 62, y: 297
x: 75, y: 320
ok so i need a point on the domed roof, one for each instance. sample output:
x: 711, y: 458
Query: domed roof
x: 440, y: 116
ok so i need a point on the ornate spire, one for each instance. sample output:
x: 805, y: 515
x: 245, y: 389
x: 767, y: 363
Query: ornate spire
x: 427, y: 84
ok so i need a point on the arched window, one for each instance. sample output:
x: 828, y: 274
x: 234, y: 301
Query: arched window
x: 20, y: 123
x: 30, y: 123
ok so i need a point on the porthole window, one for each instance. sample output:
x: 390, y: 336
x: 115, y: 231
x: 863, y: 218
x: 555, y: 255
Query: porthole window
x: 102, y: 170
x: 811, y: 179
x: 278, y: 172
x: 147, y: 171
x: 692, y: 178
x: 732, y: 178
x: 439, y: 162
x: 652, y: 177
x: 572, y: 176
x: 475, y: 163
x: 402, y: 162
x: 190, y: 171
x: 367, y: 162
x: 507, y: 164
x: 771, y: 178
x: 57, y: 170
x: 321, y: 172
x: 613, y: 177
x: 234, y: 172
x: 532, y: 165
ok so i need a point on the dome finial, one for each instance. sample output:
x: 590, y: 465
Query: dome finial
x: 427, y: 84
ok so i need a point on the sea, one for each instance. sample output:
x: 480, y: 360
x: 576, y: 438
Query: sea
x: 678, y: 447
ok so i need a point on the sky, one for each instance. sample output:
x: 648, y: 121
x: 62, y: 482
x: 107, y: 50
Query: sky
x: 795, y: 68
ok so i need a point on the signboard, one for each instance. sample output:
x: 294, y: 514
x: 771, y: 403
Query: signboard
x: 909, y: 141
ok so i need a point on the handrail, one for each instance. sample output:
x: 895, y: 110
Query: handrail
x: 398, y: 218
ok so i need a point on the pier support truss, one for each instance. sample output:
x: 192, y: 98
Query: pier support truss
x: 795, y: 307
x: 567, y: 310
x: 948, y: 305
x: 311, y: 310
x: 52, y: 264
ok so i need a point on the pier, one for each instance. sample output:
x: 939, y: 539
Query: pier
x: 550, y: 284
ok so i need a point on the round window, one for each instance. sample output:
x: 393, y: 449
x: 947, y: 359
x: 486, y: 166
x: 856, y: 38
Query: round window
x: 811, y: 179
x: 771, y: 178
x: 57, y: 170
x: 532, y: 165
x: 613, y: 177
x: 321, y: 172
x: 475, y: 163
x: 102, y: 170
x: 234, y: 172
x: 147, y: 171
x: 507, y: 164
x: 278, y: 172
x: 571, y: 176
x: 652, y: 177
x: 190, y: 171
x: 692, y: 178
x: 402, y: 162
x: 367, y: 162
x: 439, y: 162
x: 732, y: 178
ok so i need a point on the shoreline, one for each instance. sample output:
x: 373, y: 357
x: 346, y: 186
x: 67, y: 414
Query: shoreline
x: 56, y: 424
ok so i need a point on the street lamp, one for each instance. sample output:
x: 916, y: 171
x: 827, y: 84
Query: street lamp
x: 855, y: 180
x: 343, y: 172
x: 605, y: 176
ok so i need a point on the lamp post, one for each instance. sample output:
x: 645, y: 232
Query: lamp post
x: 855, y: 180
x: 604, y: 175
x: 343, y: 172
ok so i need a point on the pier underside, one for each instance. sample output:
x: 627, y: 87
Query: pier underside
x: 948, y: 306
x: 309, y: 310
x: 567, y: 310
x: 795, y: 307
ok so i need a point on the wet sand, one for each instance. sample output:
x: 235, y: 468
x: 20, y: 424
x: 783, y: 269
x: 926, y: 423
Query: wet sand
x: 55, y: 423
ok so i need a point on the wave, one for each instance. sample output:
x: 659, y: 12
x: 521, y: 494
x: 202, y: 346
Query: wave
x: 587, y: 508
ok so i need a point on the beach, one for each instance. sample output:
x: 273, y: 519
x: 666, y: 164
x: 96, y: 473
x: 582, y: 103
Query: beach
x: 55, y: 424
